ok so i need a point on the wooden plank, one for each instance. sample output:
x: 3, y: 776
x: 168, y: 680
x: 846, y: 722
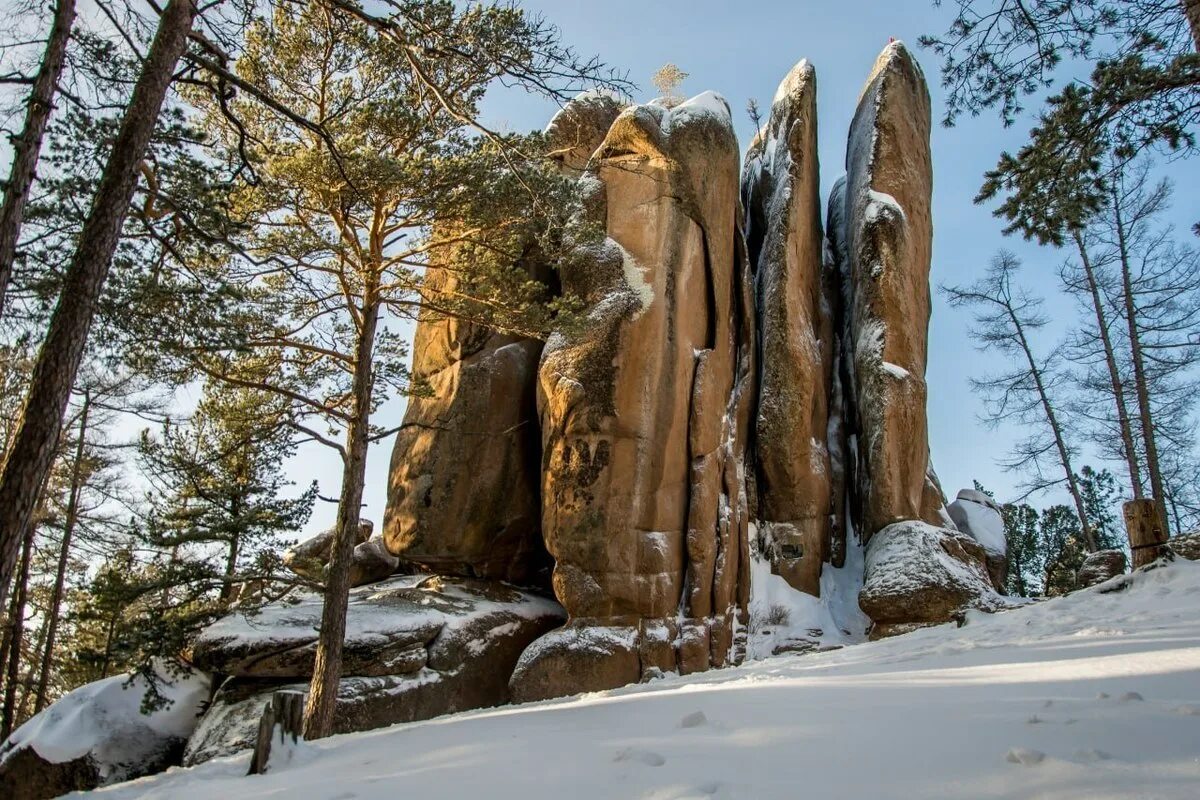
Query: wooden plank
x: 285, y: 714
x: 1147, y: 533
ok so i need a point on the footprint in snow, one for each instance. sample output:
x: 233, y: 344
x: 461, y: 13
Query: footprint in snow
x: 702, y: 792
x: 693, y: 720
x: 1025, y: 756
x: 1131, y: 697
x: 647, y: 757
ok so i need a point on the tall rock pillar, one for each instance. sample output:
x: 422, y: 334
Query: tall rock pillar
x: 781, y: 186
x: 888, y: 239
x: 644, y: 410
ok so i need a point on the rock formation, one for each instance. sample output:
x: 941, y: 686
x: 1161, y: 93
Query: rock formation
x: 1186, y: 545
x: 918, y: 574
x: 415, y: 648
x: 979, y: 516
x: 643, y: 507
x: 99, y: 734
x: 798, y: 509
x: 370, y: 561
x: 1099, y: 567
x: 737, y: 369
x: 888, y: 244
x: 463, y: 496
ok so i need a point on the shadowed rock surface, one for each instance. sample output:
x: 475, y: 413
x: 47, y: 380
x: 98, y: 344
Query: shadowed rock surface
x: 464, y: 488
x: 416, y: 647
x: 104, y: 732
x: 1101, y: 566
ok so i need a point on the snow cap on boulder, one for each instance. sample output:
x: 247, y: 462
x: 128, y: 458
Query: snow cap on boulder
x: 104, y: 732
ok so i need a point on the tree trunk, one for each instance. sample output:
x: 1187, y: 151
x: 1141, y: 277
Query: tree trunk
x: 1141, y: 387
x: 28, y: 145
x: 1191, y: 8
x: 1114, y: 375
x: 60, y: 577
x: 6, y: 641
x: 1064, y: 455
x: 32, y: 452
x: 285, y: 712
x: 322, y: 693
x: 231, y: 557
x: 18, y: 634
x: 108, y: 644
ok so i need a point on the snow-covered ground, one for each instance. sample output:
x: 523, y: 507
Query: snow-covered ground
x: 1089, y: 696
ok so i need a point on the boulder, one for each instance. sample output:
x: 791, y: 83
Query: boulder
x: 979, y: 516
x: 918, y: 573
x: 371, y: 562
x: 580, y: 657
x: 98, y: 734
x: 463, y: 491
x: 392, y: 628
x: 415, y: 648
x: 309, y: 558
x: 781, y: 187
x: 1186, y: 546
x: 888, y: 245
x: 1100, y: 566
x: 644, y: 406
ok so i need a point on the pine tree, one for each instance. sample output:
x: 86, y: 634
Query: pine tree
x: 217, y: 480
x: 1142, y: 93
x: 1023, y: 537
x: 341, y: 222
x: 29, y: 458
x: 1062, y: 549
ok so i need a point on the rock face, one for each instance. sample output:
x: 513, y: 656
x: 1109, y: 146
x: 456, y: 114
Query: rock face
x: 888, y: 246
x: 464, y: 489
x: 415, y: 648
x: 97, y: 735
x: 980, y: 517
x: 1186, y: 546
x: 1100, y: 566
x: 643, y: 506
x: 781, y: 188
x: 919, y: 574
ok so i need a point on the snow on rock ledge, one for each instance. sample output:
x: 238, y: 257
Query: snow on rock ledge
x: 98, y: 734
x: 416, y: 647
x: 918, y: 575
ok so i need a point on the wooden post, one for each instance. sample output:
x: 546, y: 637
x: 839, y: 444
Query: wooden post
x: 285, y: 712
x: 1147, y: 533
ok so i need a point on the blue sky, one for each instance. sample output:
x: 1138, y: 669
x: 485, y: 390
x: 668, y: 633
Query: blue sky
x: 743, y: 50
